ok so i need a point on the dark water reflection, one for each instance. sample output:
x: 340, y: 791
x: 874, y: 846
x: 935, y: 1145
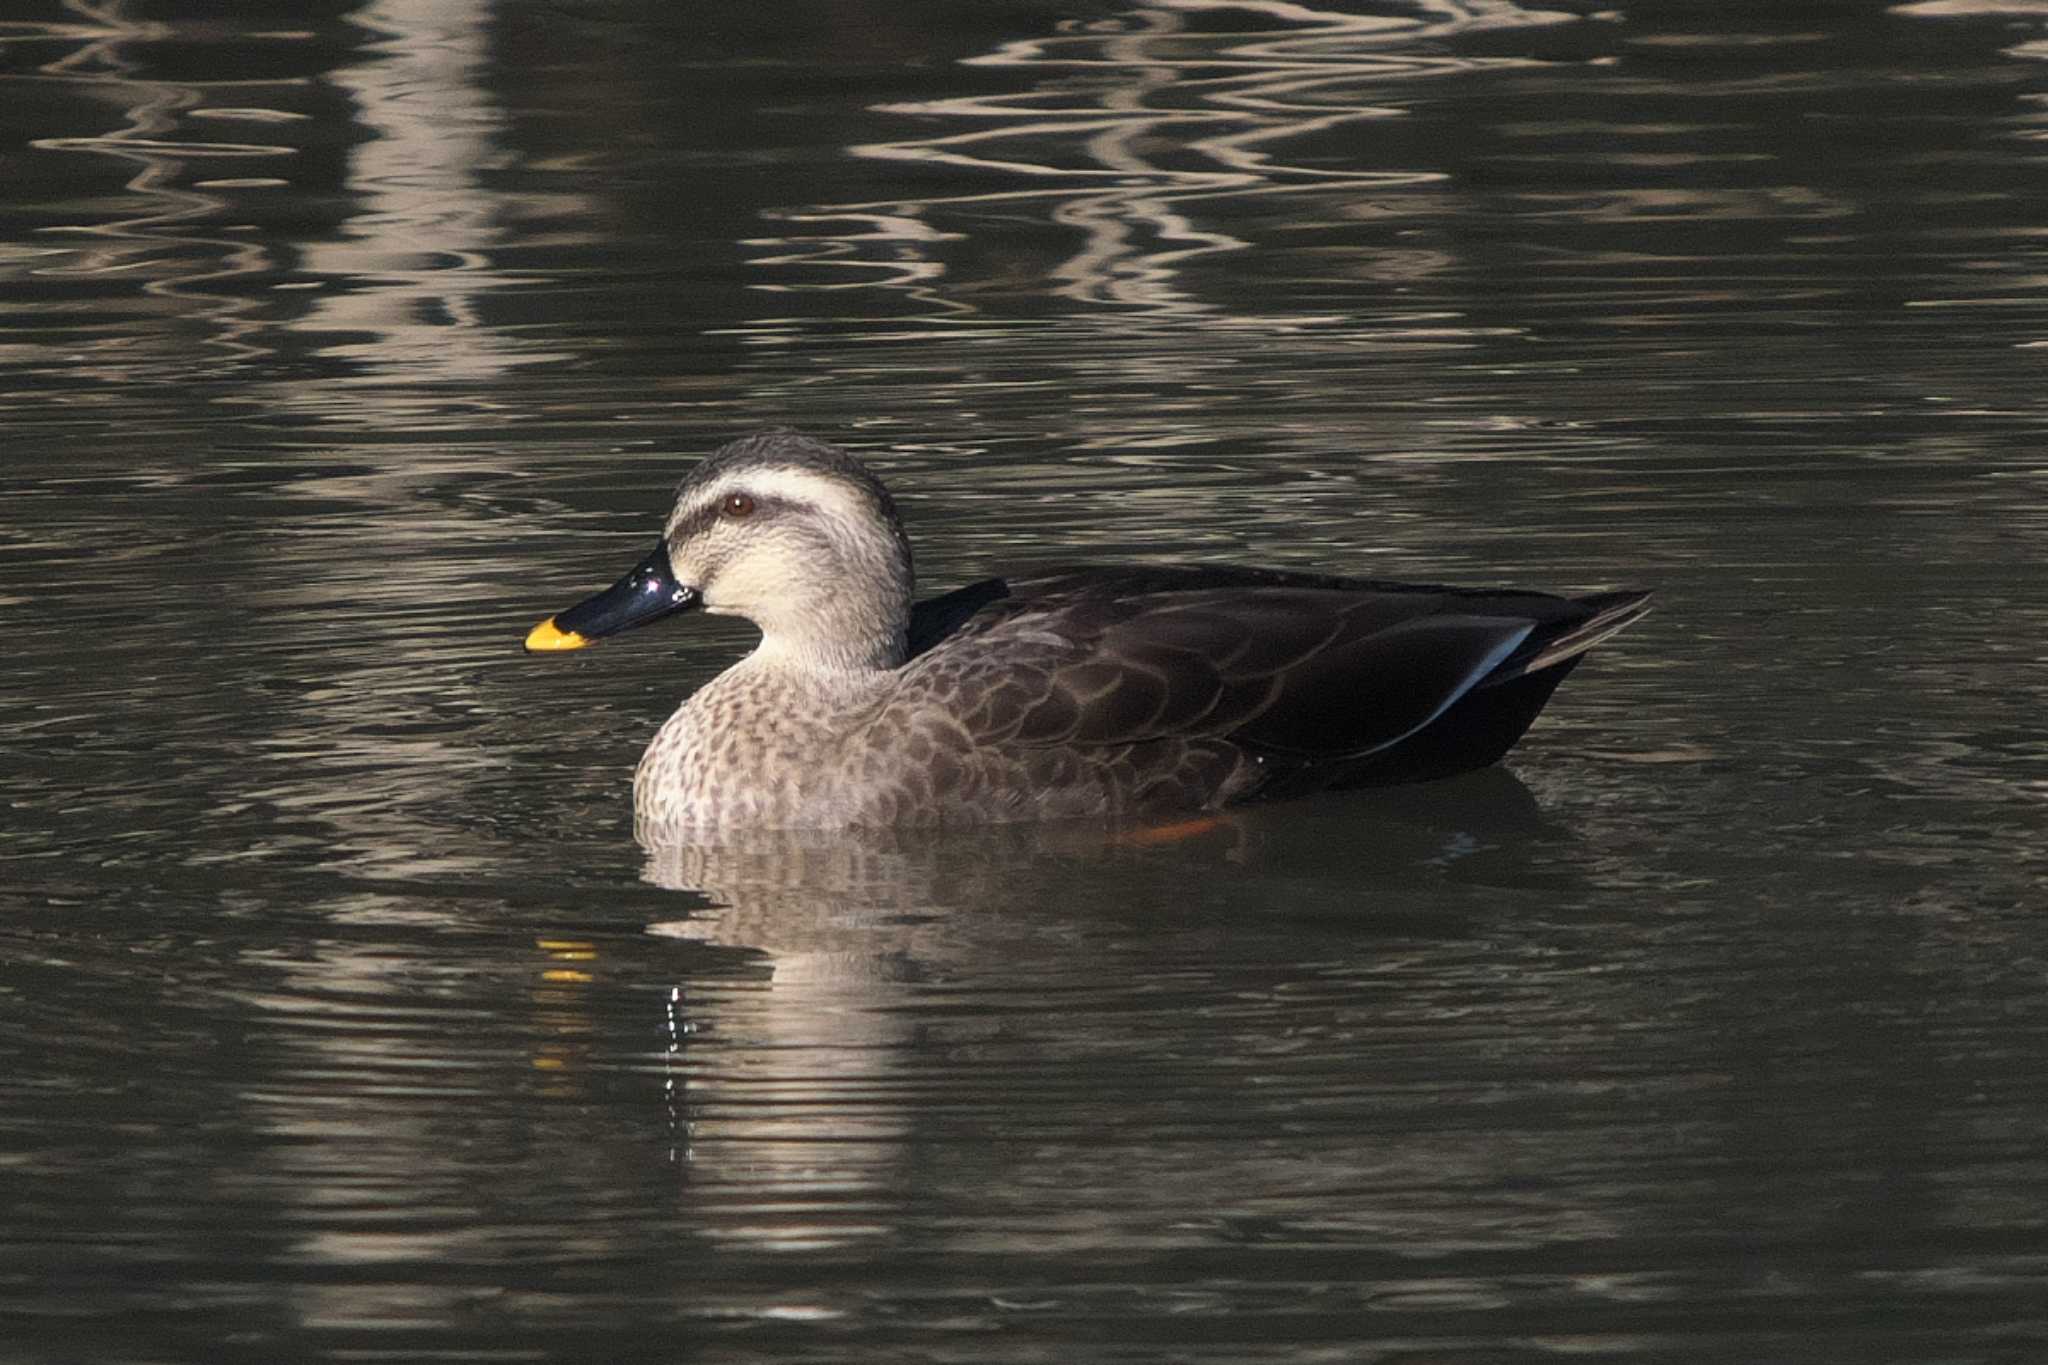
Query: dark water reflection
x: 341, y: 1017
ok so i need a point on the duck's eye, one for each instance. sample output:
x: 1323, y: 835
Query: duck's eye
x: 737, y: 505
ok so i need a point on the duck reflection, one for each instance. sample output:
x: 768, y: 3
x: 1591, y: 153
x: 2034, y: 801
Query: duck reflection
x: 793, y: 891
x: 889, y: 953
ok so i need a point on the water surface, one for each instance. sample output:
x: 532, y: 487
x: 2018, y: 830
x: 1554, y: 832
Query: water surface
x: 341, y: 1018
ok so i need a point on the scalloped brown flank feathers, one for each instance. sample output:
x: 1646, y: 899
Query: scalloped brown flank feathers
x: 1091, y: 692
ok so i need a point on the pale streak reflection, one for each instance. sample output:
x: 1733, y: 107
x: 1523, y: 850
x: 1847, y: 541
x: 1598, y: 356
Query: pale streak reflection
x: 402, y: 309
x: 413, y: 263
x: 161, y: 281
x: 1135, y: 124
x: 350, y: 1025
x: 374, y: 1066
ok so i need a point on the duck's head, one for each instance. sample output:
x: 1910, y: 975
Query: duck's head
x: 791, y: 533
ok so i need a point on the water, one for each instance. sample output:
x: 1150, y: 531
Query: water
x: 342, y: 1019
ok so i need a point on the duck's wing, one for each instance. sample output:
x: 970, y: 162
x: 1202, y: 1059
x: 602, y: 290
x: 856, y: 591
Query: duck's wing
x: 1482, y: 725
x: 933, y: 619
x: 1293, y: 665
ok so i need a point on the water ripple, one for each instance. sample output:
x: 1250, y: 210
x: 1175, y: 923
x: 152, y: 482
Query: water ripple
x: 1132, y: 124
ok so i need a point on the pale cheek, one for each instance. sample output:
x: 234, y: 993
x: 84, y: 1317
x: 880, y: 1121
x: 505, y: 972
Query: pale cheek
x: 688, y: 571
x: 751, y: 585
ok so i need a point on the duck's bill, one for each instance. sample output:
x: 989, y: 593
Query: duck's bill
x: 647, y: 593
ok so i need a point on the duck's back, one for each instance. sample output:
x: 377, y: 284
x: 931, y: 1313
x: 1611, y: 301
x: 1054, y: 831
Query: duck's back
x: 1123, y: 691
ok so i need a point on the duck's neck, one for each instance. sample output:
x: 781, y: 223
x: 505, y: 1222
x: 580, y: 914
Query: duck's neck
x: 842, y: 631
x: 834, y: 655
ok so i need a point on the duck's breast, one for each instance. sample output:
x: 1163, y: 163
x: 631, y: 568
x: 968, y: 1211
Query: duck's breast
x: 751, y: 748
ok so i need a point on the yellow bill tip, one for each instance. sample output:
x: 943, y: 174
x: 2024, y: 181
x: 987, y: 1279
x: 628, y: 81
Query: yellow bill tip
x: 547, y: 636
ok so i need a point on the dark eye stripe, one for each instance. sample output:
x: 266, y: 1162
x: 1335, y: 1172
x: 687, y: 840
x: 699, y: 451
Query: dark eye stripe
x: 711, y: 513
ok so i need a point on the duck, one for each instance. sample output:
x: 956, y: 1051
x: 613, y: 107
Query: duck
x: 1100, y: 693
